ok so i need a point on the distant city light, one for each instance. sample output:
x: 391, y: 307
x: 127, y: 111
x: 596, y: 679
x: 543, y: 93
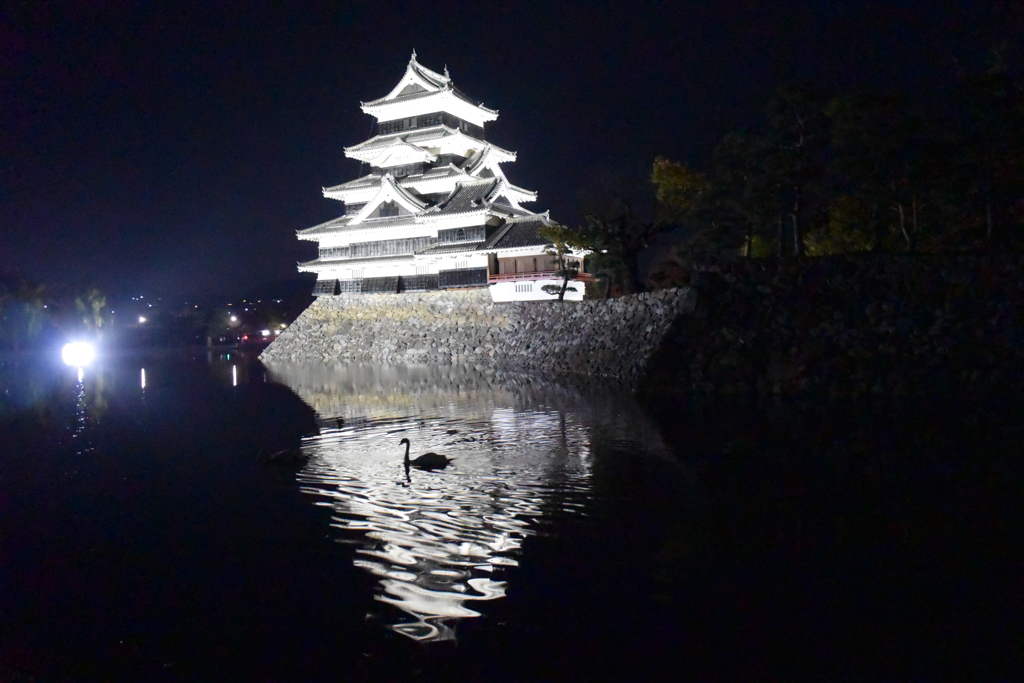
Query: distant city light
x: 265, y: 333
x: 77, y: 354
x: 234, y: 319
x: 142, y: 319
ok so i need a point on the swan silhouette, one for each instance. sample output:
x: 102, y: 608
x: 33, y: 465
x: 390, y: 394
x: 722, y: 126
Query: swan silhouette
x: 427, y: 461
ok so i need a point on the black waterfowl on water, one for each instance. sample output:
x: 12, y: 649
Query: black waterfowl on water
x: 427, y: 461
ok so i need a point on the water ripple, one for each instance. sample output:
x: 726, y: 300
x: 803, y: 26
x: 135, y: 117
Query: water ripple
x: 441, y: 543
x: 436, y: 540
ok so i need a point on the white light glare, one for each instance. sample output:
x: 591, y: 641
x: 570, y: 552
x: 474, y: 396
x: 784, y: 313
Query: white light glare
x: 234, y: 319
x: 77, y: 354
x: 265, y: 333
x: 142, y: 319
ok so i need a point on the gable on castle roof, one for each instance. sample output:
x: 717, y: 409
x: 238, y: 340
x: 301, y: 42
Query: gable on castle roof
x: 401, y: 153
x: 420, y: 83
x: 467, y: 196
x: 418, y: 78
x: 390, y: 191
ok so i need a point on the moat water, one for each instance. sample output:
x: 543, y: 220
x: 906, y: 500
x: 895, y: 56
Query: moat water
x: 577, y: 535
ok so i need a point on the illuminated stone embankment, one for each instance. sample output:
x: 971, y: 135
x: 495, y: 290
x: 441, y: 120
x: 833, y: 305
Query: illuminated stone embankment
x: 611, y: 338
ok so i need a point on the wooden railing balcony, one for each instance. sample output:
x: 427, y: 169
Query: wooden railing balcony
x: 537, y: 275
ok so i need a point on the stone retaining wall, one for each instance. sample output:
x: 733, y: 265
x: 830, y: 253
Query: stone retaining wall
x: 853, y: 325
x: 613, y: 338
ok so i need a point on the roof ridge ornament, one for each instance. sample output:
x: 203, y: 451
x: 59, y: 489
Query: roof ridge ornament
x: 413, y: 58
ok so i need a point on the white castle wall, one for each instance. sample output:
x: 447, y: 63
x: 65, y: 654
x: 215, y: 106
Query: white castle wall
x: 614, y: 337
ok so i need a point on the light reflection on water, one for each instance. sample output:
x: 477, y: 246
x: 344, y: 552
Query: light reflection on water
x: 440, y: 543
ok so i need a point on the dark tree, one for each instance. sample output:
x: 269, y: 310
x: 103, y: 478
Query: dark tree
x: 796, y: 150
x: 988, y: 131
x: 618, y: 226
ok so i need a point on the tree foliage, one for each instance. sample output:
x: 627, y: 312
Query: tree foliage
x: 23, y: 313
x: 564, y: 241
x: 859, y: 171
x: 91, y: 308
x: 617, y: 236
x: 680, y: 190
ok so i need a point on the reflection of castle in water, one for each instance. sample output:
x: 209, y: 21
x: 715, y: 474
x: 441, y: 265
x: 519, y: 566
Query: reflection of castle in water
x: 440, y: 541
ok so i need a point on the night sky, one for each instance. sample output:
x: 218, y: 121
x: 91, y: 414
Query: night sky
x: 174, y: 148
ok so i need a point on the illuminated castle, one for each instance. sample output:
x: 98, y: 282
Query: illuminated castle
x: 435, y: 210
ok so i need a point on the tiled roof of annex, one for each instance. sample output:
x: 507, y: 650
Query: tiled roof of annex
x: 517, y: 233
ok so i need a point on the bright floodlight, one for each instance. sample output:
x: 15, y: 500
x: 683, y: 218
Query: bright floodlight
x: 265, y: 333
x: 142, y: 319
x: 77, y: 354
x: 234, y: 319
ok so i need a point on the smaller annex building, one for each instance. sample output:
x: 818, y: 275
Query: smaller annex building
x: 435, y: 209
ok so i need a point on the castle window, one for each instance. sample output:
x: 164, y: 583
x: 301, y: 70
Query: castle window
x: 472, y: 234
x: 334, y: 252
x: 406, y: 170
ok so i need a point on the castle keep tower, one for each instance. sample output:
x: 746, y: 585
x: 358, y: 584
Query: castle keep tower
x: 435, y: 210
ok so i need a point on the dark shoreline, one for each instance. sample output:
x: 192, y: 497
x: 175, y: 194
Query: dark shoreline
x: 854, y: 326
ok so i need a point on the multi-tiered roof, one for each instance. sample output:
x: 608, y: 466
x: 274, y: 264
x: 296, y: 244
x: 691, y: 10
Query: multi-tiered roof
x: 434, y: 191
